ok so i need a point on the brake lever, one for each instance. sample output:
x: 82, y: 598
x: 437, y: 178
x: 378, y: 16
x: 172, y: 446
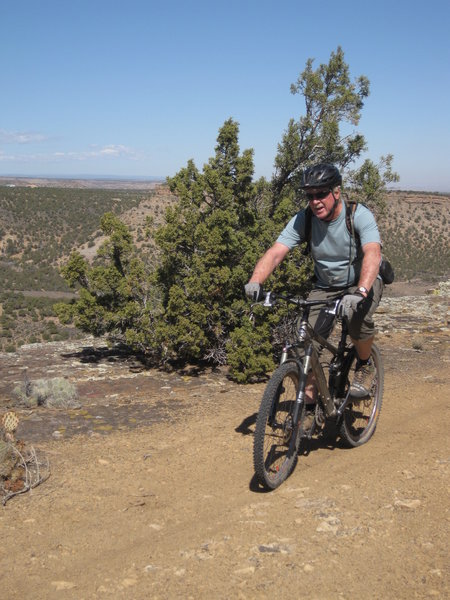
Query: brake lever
x: 332, y: 309
x: 268, y: 299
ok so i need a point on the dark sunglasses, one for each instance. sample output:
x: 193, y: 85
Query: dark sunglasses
x: 317, y: 195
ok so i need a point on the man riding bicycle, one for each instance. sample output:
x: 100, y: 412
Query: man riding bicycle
x: 343, y: 264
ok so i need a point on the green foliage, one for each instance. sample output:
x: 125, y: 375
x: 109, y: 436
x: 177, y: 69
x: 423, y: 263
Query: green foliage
x: 116, y: 295
x: 368, y: 183
x: 28, y: 319
x: 51, y: 222
x: 189, y: 305
x: 209, y: 245
x: 331, y: 99
x: 185, y: 308
x: 332, y: 102
x: 249, y: 352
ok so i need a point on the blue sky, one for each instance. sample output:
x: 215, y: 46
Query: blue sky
x: 136, y: 88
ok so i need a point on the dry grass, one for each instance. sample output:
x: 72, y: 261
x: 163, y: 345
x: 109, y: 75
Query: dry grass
x: 55, y: 393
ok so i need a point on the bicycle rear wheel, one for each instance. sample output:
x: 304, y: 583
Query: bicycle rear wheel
x: 361, y: 416
x: 277, y: 437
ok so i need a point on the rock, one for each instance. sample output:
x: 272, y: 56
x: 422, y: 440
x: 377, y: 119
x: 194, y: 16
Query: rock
x: 128, y: 582
x: 245, y: 571
x: 274, y: 548
x: 150, y: 568
x: 269, y: 548
x: 328, y: 525
x: 408, y: 474
x: 63, y: 585
x: 407, y: 504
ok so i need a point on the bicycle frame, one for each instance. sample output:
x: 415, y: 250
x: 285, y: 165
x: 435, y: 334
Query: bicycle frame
x: 311, y: 359
x: 282, y: 421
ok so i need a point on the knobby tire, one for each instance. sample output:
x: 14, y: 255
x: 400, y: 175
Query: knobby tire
x: 360, y: 417
x: 277, y: 437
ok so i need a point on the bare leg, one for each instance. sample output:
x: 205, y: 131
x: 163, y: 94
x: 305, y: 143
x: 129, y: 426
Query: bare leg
x: 363, y: 347
x: 310, y: 390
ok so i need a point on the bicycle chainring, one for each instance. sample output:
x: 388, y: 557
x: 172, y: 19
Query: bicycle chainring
x: 319, y: 414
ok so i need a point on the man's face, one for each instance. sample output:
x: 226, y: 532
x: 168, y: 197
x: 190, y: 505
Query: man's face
x: 322, y: 202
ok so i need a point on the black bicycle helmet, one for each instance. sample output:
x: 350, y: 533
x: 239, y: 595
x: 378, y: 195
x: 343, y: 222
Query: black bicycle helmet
x: 321, y: 175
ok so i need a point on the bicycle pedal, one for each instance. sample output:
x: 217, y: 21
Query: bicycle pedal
x: 307, y: 435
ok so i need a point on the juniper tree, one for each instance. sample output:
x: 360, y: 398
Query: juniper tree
x: 210, y: 241
x: 191, y: 307
x: 117, y: 295
x: 333, y: 102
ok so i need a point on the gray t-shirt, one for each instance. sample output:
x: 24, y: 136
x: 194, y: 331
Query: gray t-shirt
x: 336, y: 260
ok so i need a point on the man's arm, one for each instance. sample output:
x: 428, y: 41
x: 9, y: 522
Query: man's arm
x: 370, y: 264
x: 268, y: 262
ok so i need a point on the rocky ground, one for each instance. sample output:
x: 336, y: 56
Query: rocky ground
x: 151, y: 493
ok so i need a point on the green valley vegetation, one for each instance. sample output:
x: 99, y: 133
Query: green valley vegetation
x: 39, y: 228
x: 30, y: 319
x: 415, y: 232
x: 190, y: 307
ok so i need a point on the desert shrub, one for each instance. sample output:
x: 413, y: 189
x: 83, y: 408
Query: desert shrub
x: 8, y: 458
x: 56, y: 392
x: 417, y: 342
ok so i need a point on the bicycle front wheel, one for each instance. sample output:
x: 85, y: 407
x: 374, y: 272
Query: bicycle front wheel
x: 360, y: 416
x: 277, y: 437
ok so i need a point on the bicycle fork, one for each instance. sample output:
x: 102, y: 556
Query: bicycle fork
x: 312, y: 363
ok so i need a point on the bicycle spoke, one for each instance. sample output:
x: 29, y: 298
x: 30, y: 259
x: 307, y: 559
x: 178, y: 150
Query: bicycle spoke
x: 275, y: 450
x: 361, y: 415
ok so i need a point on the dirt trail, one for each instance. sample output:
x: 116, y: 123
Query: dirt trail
x: 167, y: 507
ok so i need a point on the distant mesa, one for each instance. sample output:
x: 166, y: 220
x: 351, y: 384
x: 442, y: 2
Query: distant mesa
x: 93, y: 182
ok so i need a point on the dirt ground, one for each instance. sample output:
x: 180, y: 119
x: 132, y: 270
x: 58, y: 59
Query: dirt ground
x: 151, y: 493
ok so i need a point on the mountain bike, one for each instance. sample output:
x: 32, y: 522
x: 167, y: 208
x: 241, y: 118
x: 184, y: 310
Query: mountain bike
x: 281, y: 424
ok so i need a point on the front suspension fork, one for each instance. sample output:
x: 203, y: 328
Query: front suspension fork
x: 311, y: 362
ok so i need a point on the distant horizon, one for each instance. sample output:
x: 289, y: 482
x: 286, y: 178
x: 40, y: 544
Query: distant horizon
x: 145, y: 87
x: 161, y: 179
x: 86, y: 176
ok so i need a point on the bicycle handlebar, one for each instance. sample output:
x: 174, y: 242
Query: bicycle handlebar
x: 271, y: 297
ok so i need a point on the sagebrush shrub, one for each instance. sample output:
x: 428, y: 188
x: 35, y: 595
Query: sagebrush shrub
x: 56, y: 392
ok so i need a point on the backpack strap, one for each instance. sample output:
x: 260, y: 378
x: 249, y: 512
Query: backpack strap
x: 308, y: 226
x: 350, y: 208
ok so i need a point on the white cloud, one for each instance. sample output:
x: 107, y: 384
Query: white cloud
x: 110, y: 151
x: 117, y: 150
x: 20, y: 137
x: 20, y: 158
